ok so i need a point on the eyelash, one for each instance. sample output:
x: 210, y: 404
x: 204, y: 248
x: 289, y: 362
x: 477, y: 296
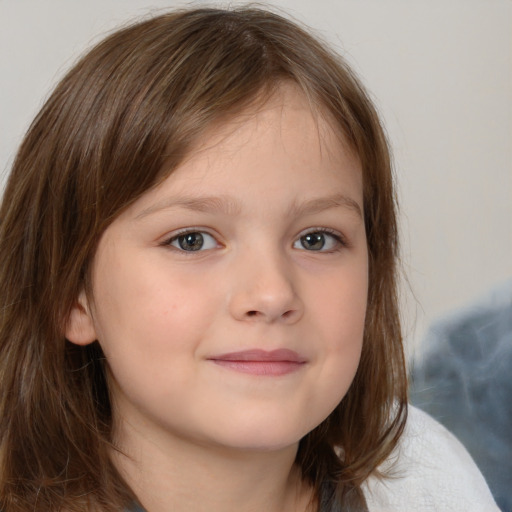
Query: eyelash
x: 339, y: 239
x: 188, y: 231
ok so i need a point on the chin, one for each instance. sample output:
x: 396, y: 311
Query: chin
x: 261, y: 438
x: 263, y: 444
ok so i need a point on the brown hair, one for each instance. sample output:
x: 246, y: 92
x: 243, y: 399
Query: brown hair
x: 117, y: 124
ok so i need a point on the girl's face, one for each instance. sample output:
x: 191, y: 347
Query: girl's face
x: 230, y: 300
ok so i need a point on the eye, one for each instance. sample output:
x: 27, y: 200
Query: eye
x: 193, y: 241
x: 320, y: 241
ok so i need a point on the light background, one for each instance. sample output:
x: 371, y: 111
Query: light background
x: 440, y: 72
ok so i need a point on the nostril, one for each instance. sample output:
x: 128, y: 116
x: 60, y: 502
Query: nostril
x: 256, y: 313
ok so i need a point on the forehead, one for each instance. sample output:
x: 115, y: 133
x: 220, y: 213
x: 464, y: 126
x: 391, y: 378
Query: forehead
x: 294, y: 119
x: 279, y: 151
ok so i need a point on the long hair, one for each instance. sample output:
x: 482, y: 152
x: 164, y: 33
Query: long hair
x: 118, y: 123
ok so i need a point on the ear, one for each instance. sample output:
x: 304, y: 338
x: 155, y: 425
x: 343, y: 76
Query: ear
x: 80, y: 326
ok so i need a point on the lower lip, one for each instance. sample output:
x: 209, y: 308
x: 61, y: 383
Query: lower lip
x: 263, y: 368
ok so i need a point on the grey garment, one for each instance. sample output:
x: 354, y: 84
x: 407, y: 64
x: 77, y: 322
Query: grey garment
x: 464, y: 380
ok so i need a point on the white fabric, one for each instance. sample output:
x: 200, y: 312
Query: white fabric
x: 431, y: 472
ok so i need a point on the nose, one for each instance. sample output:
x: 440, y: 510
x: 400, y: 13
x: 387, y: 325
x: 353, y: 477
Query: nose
x: 264, y: 290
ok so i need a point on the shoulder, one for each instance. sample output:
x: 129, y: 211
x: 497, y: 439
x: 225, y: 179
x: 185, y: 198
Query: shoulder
x: 430, y: 471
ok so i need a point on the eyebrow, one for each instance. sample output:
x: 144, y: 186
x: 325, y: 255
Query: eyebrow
x: 317, y: 205
x: 230, y: 206
x: 207, y: 204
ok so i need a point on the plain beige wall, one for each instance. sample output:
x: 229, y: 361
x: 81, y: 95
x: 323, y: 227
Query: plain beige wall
x: 440, y: 73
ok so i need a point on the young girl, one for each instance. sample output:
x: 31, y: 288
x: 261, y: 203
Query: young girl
x: 198, y: 275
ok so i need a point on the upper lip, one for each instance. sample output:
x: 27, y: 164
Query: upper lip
x: 258, y: 355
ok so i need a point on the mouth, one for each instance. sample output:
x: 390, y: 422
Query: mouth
x: 272, y: 363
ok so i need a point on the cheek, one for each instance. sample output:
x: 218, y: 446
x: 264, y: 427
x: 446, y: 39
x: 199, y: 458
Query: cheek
x: 342, y: 307
x: 145, y: 310
x: 150, y: 331
x: 340, y: 312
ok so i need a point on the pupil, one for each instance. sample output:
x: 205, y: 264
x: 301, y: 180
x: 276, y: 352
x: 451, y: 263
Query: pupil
x: 191, y: 241
x: 313, y: 241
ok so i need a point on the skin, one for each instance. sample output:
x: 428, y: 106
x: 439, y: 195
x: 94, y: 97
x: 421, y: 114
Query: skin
x: 254, y: 189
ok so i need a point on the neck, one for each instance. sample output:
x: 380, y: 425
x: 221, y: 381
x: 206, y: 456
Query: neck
x: 179, y: 475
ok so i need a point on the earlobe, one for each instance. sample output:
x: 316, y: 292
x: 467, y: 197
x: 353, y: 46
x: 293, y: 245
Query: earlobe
x: 80, y: 326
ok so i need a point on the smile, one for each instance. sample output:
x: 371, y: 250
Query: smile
x: 260, y: 362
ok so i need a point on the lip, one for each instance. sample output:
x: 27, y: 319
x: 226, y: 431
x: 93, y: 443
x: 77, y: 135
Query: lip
x: 272, y: 363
